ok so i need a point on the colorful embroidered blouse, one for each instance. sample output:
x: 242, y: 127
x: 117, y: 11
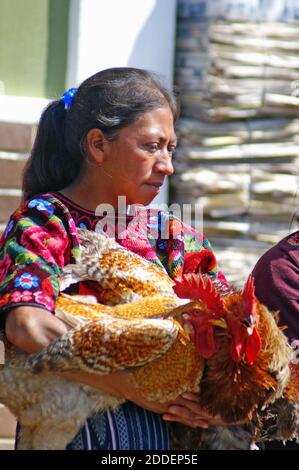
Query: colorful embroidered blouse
x: 41, y: 238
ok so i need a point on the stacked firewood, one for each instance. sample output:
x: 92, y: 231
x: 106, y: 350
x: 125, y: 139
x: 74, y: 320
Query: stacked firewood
x: 239, y: 132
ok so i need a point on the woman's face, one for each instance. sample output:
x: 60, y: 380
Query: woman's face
x: 140, y: 158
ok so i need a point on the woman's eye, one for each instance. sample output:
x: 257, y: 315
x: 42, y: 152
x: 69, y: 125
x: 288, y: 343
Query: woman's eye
x: 153, y: 147
x: 171, y: 151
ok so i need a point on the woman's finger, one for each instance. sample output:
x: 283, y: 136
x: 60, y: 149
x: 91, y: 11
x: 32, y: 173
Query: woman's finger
x: 192, y: 406
x: 186, y: 397
x: 191, y: 396
x: 191, y: 423
x: 182, y: 413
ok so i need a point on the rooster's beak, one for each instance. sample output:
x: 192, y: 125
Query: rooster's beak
x: 218, y: 322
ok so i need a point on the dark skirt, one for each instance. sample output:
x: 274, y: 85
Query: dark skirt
x: 128, y: 428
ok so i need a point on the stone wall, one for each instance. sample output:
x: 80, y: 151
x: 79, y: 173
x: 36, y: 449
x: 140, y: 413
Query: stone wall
x: 237, y: 72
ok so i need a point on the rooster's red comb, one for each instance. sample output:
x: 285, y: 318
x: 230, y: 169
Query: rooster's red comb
x: 197, y: 287
x: 249, y: 296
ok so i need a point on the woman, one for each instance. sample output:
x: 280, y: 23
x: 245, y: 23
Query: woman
x: 112, y: 137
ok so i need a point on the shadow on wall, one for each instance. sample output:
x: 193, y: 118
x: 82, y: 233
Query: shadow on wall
x: 154, y: 47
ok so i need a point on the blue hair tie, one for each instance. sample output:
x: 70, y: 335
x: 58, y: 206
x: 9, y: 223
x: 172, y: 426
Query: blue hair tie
x: 68, y: 97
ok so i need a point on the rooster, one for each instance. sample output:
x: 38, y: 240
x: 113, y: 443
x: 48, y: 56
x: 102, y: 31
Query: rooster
x: 192, y: 336
x: 251, y: 365
x: 252, y: 357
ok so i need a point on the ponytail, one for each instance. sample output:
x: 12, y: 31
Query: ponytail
x: 50, y: 166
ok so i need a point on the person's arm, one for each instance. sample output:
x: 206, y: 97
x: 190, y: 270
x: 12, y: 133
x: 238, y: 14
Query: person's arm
x: 32, y: 329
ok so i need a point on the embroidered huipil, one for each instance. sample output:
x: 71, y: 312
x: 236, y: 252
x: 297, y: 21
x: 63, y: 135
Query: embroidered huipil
x: 41, y: 238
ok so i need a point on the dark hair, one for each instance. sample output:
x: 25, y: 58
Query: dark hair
x: 109, y: 100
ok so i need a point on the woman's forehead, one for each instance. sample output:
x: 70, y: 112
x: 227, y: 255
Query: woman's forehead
x: 156, y: 123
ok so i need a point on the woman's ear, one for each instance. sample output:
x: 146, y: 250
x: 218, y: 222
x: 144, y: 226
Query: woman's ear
x: 95, y: 141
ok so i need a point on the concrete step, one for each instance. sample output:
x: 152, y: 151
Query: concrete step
x: 16, y: 137
x: 9, y: 201
x: 11, y: 168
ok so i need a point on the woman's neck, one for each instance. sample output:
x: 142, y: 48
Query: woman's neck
x: 89, y: 193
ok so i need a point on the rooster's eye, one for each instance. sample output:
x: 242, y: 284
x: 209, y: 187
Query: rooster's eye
x: 248, y: 322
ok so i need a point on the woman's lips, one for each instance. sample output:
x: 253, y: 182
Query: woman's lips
x: 155, y: 186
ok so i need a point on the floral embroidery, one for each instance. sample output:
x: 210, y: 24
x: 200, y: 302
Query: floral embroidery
x: 26, y: 281
x: 47, y: 287
x: 41, y: 205
x: 39, y: 239
x: 44, y: 299
x: 18, y: 296
x: 49, y: 241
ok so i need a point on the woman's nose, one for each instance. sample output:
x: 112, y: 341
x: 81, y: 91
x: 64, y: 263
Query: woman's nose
x: 164, y: 165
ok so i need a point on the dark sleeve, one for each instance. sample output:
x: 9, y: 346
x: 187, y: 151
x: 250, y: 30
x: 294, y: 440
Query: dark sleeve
x: 276, y: 277
x: 33, y: 251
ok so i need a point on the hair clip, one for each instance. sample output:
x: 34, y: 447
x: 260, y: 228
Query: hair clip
x: 68, y: 97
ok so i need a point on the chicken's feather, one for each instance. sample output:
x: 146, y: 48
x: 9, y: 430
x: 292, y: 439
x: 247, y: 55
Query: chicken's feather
x: 107, y: 345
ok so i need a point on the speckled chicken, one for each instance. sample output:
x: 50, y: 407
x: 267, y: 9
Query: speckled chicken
x: 189, y: 337
x: 105, y: 338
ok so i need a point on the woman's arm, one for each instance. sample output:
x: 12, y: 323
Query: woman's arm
x: 32, y: 329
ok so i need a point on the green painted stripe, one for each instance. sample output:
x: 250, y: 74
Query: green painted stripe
x: 57, y: 47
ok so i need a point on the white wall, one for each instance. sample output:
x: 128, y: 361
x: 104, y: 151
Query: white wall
x: 116, y: 33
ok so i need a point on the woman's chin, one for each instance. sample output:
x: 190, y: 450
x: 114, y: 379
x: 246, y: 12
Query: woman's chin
x: 143, y: 199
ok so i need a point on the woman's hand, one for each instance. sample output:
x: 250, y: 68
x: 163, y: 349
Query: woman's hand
x: 186, y: 410
x: 32, y: 328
